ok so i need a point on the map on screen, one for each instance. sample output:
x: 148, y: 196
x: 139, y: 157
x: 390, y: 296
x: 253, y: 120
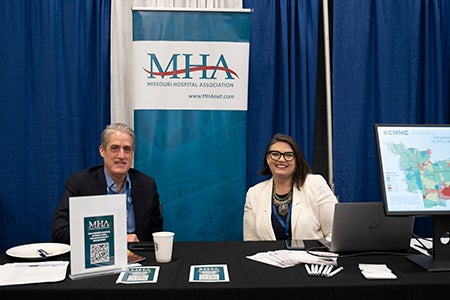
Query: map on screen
x: 415, y: 167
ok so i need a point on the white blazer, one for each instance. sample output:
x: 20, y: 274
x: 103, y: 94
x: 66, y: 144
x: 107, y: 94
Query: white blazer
x: 311, y: 216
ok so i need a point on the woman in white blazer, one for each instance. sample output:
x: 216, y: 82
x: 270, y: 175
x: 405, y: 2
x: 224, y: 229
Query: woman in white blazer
x: 293, y: 203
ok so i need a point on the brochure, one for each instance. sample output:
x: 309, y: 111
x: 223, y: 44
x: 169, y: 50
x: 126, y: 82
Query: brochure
x: 209, y: 273
x: 144, y: 274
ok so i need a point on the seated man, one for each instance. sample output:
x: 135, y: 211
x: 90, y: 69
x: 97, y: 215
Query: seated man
x: 115, y: 176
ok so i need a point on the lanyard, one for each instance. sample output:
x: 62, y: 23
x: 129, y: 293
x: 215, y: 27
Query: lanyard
x: 284, y: 224
x: 131, y: 226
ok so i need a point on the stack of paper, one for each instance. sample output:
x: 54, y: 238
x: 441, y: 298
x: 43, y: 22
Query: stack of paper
x: 33, y: 272
x: 376, y: 271
x: 288, y: 258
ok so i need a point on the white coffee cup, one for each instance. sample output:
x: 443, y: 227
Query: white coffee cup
x: 163, y: 241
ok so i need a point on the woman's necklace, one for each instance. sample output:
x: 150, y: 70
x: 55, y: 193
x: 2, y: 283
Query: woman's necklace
x: 282, y: 201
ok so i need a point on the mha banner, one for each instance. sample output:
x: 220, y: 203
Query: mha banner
x: 190, y: 116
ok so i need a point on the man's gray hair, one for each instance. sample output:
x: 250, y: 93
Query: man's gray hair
x: 117, y: 127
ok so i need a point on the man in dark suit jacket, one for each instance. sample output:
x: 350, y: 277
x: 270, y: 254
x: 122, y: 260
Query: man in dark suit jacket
x: 115, y: 176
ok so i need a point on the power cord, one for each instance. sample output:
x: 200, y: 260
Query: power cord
x: 327, y: 256
x: 323, y: 248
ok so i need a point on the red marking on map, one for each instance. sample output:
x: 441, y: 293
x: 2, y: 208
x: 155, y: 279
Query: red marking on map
x: 444, y: 192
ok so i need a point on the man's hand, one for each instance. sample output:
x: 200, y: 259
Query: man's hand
x: 132, y: 238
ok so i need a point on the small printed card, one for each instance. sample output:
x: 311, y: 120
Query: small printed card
x: 139, y: 274
x: 209, y: 273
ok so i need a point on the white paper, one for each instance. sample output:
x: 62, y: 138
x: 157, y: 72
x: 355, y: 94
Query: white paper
x: 419, y: 246
x: 378, y: 275
x: 376, y: 271
x: 33, y: 272
x: 288, y: 258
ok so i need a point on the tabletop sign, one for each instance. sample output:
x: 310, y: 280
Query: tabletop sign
x: 98, y: 235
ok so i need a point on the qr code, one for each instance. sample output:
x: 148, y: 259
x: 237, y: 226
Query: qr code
x: 209, y: 277
x: 99, y: 253
x: 138, y: 277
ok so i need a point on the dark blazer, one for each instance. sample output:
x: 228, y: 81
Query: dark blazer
x: 92, y: 181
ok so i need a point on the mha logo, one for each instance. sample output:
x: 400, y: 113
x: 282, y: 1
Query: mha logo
x: 98, y: 224
x: 182, y: 66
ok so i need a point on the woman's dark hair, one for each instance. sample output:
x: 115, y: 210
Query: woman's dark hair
x: 302, y: 168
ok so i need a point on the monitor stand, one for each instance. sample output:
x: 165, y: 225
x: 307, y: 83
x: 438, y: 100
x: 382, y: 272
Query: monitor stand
x: 440, y: 261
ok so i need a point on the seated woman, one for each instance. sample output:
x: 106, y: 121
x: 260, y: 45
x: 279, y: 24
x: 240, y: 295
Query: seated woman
x: 293, y: 203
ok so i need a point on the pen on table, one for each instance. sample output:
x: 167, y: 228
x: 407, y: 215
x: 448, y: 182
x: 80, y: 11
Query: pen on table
x: 320, y: 269
x: 330, y: 270
x: 307, y: 269
x: 42, y: 253
x: 335, y: 271
x: 327, y: 270
x: 317, y: 270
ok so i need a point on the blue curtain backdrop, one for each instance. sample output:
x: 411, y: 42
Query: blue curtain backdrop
x: 282, y: 82
x: 390, y: 64
x: 54, y: 93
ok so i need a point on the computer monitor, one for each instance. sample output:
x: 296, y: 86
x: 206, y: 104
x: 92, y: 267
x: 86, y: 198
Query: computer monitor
x: 414, y: 163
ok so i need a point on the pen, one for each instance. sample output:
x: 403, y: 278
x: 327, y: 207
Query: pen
x: 314, y: 269
x: 335, y: 271
x: 327, y: 270
x: 320, y: 270
x: 42, y: 253
x: 307, y: 269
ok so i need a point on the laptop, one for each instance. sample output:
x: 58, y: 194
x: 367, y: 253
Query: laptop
x: 364, y: 227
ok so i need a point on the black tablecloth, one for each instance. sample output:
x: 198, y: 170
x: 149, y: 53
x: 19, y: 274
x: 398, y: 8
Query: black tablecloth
x: 249, y: 279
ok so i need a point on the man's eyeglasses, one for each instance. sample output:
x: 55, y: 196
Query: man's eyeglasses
x: 276, y: 155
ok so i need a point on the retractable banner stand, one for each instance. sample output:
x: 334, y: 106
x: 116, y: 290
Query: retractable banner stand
x: 190, y: 116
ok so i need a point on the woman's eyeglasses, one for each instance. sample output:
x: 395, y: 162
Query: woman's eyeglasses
x: 276, y: 155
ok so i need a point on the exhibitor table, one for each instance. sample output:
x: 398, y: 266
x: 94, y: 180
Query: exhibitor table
x: 249, y: 279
